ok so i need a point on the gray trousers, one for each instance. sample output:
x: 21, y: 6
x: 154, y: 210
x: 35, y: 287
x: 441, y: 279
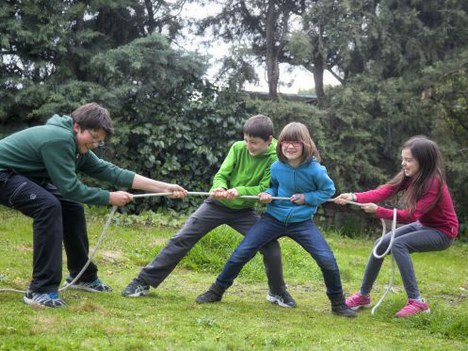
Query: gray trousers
x: 208, y: 216
x: 408, y: 239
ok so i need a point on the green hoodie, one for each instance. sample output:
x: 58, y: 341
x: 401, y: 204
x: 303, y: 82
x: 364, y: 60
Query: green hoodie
x: 250, y: 175
x: 51, y: 151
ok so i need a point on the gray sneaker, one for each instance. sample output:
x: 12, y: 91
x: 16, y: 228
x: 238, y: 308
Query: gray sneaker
x: 136, y: 288
x: 51, y: 299
x: 94, y: 286
x: 284, y: 300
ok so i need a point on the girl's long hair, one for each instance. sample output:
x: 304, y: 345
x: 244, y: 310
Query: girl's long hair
x: 431, y: 168
x: 296, y: 131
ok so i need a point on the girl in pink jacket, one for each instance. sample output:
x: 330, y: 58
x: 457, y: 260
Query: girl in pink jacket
x: 429, y: 215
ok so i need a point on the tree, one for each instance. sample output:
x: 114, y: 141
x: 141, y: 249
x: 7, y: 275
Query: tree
x: 260, y: 25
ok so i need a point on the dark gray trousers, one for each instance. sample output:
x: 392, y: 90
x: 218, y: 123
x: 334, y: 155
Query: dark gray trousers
x: 55, y: 219
x: 408, y: 239
x: 207, y: 217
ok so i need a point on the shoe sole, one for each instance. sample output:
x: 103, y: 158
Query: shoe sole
x: 410, y: 315
x: 77, y: 287
x: 33, y: 303
x: 275, y: 301
x: 360, y: 306
x: 139, y: 294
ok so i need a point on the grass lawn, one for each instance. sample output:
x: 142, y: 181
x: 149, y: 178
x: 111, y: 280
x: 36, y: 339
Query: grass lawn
x: 169, y: 318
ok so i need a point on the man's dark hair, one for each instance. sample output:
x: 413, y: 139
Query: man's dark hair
x: 93, y: 116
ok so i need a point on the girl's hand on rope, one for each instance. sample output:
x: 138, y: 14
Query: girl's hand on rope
x: 298, y: 199
x: 369, y: 208
x: 120, y: 198
x: 264, y: 198
x: 344, y: 198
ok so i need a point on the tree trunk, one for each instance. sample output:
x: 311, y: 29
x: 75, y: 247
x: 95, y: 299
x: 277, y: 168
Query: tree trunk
x: 271, y: 52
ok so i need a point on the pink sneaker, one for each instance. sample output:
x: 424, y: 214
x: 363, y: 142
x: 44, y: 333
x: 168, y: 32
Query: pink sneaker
x: 413, y: 307
x: 357, y: 301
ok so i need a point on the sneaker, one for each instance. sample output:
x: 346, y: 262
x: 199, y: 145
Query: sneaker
x: 413, y: 307
x: 51, y: 299
x: 94, y: 286
x: 358, y: 301
x: 136, y: 288
x: 214, y: 294
x: 284, y: 300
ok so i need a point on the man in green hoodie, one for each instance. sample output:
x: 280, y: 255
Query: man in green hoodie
x: 38, y: 176
x: 245, y: 171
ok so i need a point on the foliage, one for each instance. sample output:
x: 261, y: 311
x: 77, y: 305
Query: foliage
x: 169, y: 318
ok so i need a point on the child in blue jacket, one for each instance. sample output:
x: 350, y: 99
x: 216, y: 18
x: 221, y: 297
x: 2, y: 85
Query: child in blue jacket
x: 297, y: 175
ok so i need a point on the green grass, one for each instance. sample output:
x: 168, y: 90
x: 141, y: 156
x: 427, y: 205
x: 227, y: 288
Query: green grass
x: 169, y: 319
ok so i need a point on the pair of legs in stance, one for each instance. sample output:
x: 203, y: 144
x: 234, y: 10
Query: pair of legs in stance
x: 207, y: 217
x: 408, y: 239
x: 55, y: 220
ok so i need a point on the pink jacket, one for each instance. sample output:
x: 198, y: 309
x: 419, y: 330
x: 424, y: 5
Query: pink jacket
x: 442, y: 217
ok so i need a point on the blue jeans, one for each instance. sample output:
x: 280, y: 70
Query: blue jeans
x: 408, y: 239
x: 210, y: 215
x: 304, y: 233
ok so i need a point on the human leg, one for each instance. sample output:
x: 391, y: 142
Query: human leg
x: 207, y: 217
x: 271, y: 253
x: 420, y: 240
x: 19, y: 192
x: 261, y: 233
x: 309, y: 237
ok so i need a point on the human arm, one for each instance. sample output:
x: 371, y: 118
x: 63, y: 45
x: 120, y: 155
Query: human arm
x: 324, y: 188
x: 143, y: 183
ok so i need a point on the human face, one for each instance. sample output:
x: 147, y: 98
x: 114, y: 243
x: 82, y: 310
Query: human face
x: 88, y: 139
x: 409, y: 164
x: 255, y: 145
x: 292, y: 150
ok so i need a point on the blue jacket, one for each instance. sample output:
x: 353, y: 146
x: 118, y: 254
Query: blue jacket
x: 310, y: 179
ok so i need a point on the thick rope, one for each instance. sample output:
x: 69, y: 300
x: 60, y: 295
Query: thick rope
x: 376, y: 255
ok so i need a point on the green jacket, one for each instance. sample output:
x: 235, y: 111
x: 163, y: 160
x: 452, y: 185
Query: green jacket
x: 51, y: 151
x: 250, y: 175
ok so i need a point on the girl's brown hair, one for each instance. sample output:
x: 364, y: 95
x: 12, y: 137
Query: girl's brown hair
x: 431, y: 167
x: 296, y: 131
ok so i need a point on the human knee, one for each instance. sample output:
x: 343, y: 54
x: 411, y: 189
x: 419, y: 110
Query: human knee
x: 271, y: 250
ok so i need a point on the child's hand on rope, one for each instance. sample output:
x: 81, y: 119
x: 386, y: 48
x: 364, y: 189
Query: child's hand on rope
x: 344, y: 198
x: 369, y: 208
x: 298, y: 199
x: 264, y: 198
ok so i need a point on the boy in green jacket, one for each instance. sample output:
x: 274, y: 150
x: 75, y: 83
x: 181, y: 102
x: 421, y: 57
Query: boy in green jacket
x: 38, y: 177
x: 245, y: 171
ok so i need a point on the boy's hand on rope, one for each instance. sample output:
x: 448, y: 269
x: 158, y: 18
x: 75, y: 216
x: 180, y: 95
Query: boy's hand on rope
x: 120, y: 198
x: 177, y: 191
x: 218, y: 193
x: 231, y: 194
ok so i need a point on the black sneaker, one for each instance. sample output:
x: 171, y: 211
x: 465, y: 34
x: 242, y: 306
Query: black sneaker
x: 284, y: 300
x: 51, y: 299
x: 94, y: 286
x: 136, y: 288
x: 214, y: 294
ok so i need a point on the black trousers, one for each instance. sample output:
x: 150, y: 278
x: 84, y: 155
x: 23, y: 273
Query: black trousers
x: 55, y: 219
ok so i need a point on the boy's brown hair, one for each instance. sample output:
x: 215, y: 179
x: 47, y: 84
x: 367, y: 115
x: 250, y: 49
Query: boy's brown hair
x: 93, y: 116
x: 259, y: 126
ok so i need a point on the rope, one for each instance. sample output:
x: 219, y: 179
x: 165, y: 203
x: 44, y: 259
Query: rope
x: 376, y: 255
